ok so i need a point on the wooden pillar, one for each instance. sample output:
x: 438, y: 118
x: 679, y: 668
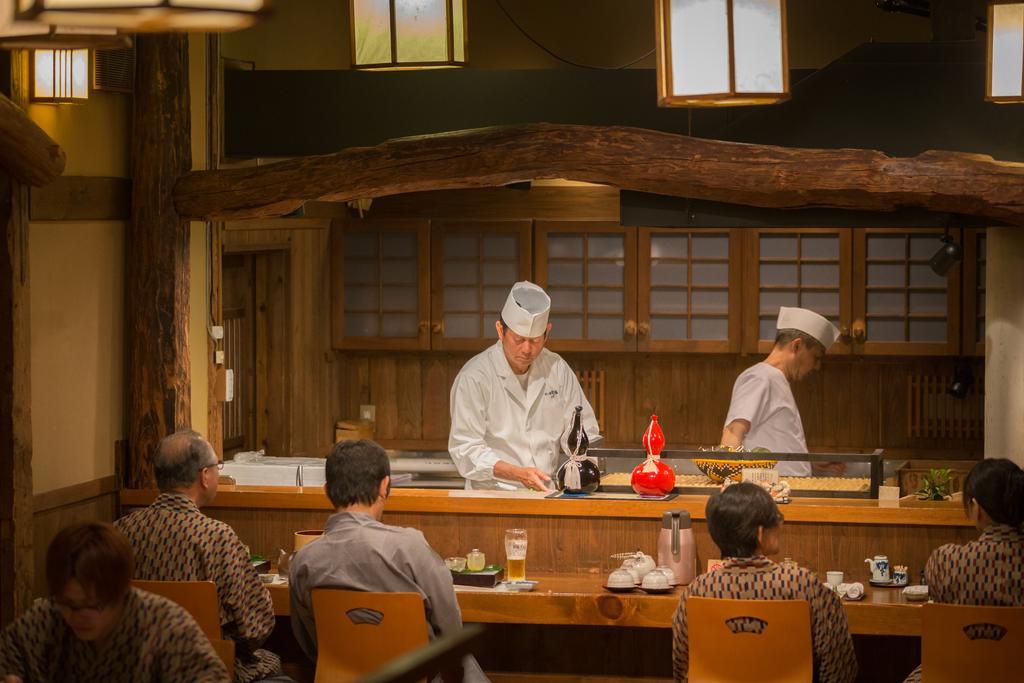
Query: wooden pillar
x: 1004, y: 344
x: 157, y: 252
x: 214, y: 153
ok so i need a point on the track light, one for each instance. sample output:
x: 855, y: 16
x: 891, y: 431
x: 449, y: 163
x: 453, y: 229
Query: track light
x: 948, y: 255
x: 963, y: 380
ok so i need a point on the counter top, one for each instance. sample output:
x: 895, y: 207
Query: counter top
x: 528, y: 503
x: 580, y: 599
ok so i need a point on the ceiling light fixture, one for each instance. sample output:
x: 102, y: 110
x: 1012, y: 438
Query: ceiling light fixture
x: 34, y: 34
x: 948, y: 255
x: 408, y: 34
x: 146, y: 16
x: 1004, y: 77
x: 714, y: 53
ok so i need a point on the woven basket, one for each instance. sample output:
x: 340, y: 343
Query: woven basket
x: 718, y: 470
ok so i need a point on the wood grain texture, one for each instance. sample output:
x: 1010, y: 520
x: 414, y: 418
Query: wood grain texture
x: 579, y: 599
x: 76, y: 493
x: 157, y: 278
x: 46, y: 524
x: 15, y: 404
x: 28, y: 154
x: 81, y: 198
x: 627, y: 158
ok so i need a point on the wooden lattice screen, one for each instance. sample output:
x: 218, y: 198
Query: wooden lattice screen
x: 592, y: 382
x: 933, y: 413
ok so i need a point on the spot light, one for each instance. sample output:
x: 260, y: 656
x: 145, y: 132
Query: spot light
x: 948, y: 255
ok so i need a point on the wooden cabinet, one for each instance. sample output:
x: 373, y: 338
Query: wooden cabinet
x: 805, y: 267
x: 589, y: 271
x: 974, y: 292
x: 379, y: 284
x: 900, y: 306
x: 474, y: 265
x: 688, y: 294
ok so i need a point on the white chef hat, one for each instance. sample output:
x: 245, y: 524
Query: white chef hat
x: 808, y: 322
x: 526, y: 309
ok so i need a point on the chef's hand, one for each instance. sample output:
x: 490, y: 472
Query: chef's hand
x: 829, y: 467
x: 530, y: 477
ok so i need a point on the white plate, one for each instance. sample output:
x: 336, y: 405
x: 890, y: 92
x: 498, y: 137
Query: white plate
x: 522, y: 586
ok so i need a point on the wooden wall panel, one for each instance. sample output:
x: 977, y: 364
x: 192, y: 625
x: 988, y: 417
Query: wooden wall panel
x: 55, y: 510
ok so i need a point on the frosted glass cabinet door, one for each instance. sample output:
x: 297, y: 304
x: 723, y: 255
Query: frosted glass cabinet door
x: 901, y: 307
x: 380, y: 285
x: 687, y: 293
x: 589, y: 271
x: 474, y: 265
x: 803, y: 267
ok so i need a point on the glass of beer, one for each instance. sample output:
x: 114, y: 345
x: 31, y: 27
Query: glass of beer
x: 515, y: 554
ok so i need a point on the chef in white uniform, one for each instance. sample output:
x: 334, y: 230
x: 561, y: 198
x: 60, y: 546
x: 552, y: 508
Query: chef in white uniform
x: 512, y: 404
x: 762, y: 412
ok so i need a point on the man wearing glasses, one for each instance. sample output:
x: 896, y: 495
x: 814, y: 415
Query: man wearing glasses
x: 174, y: 541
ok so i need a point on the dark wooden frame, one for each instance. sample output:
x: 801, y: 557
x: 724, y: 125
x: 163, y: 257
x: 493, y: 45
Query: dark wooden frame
x: 438, y: 229
x: 541, y: 260
x: 734, y: 287
x: 972, y: 284
x: 752, y: 285
x: 859, y: 292
x: 339, y: 339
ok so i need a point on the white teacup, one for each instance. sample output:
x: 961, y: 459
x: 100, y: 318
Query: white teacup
x: 655, y: 581
x: 620, y: 578
x: 833, y: 578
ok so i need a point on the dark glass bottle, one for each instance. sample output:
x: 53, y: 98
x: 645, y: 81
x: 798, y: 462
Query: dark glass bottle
x: 578, y: 443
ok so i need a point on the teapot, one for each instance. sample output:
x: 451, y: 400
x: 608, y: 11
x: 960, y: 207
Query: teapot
x: 879, y: 568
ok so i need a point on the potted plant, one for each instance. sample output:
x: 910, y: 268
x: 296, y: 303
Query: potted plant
x: 935, y: 485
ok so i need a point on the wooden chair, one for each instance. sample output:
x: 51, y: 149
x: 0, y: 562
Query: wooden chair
x: 948, y: 652
x: 199, y: 598
x: 780, y: 653
x: 439, y: 655
x: 357, y: 632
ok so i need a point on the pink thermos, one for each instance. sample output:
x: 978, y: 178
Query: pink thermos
x: 676, y: 547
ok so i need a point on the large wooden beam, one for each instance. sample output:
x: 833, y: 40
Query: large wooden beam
x: 628, y: 158
x: 26, y: 151
x: 16, y: 530
x: 157, y: 253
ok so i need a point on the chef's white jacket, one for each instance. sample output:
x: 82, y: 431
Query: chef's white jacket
x: 762, y: 396
x: 494, y: 419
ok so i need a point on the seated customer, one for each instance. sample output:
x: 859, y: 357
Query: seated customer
x: 96, y: 627
x: 174, y: 541
x: 746, y: 526
x: 989, y: 571
x: 358, y: 552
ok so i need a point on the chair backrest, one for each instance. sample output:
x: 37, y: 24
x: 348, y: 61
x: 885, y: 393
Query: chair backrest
x: 199, y: 598
x: 971, y: 643
x: 767, y: 641
x: 358, y: 632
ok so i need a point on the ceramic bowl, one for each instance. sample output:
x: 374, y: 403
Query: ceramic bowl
x: 669, y: 574
x: 268, y: 578
x: 916, y: 593
x: 719, y: 470
x: 455, y: 564
x: 621, y: 578
x: 655, y: 579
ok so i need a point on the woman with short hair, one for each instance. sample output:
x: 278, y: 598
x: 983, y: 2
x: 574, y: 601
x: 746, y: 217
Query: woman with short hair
x: 746, y: 525
x: 990, y: 570
x: 96, y: 627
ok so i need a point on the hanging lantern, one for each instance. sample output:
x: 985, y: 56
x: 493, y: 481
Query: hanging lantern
x: 1004, y: 81
x: 721, y: 52
x: 146, y: 16
x: 33, y: 34
x: 408, y: 34
x: 60, y: 75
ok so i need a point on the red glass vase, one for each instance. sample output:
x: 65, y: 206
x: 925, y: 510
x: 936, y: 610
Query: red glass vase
x: 653, y: 477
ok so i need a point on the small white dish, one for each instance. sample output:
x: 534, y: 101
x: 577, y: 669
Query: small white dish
x: 268, y: 578
x: 521, y: 586
x: 916, y: 593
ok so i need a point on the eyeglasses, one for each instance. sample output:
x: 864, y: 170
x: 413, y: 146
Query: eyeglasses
x: 219, y: 465
x: 91, y: 611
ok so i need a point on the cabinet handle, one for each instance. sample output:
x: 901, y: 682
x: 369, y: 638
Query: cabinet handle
x: 644, y: 328
x: 860, y: 331
x: 424, y: 326
x: 629, y: 328
x: 844, y: 333
x: 437, y: 328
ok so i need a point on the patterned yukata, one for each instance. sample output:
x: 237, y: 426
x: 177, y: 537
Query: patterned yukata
x: 989, y: 572
x: 174, y: 541
x: 156, y: 641
x: 758, y: 578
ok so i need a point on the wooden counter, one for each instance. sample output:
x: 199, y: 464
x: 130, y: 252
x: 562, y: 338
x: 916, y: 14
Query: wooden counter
x: 566, y: 599
x: 579, y: 536
x: 530, y: 504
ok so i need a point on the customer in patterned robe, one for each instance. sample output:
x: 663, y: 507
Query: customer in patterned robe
x: 746, y: 525
x: 174, y: 541
x: 96, y: 627
x: 989, y: 571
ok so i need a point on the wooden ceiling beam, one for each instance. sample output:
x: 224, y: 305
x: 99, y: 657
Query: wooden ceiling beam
x: 26, y: 151
x: 627, y: 158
